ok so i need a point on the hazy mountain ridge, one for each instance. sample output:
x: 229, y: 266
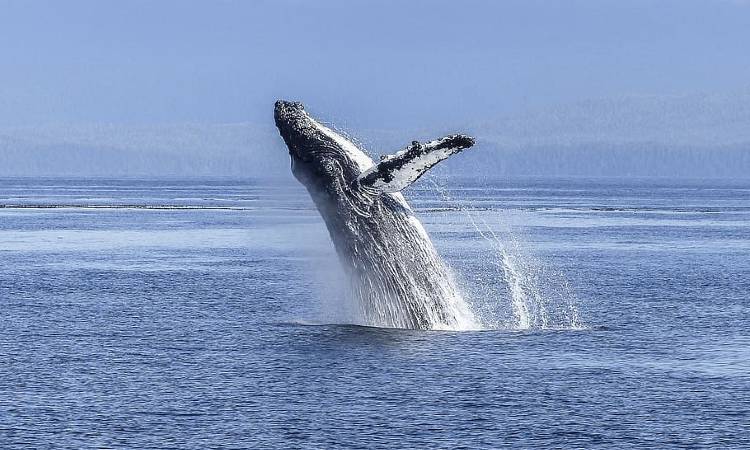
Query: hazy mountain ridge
x: 158, y: 150
x: 693, y: 120
x: 699, y: 135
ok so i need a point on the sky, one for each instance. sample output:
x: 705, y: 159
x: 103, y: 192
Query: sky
x: 364, y: 63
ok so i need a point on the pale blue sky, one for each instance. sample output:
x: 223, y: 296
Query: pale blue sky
x: 375, y: 64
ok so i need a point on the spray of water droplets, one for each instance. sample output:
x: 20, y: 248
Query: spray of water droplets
x: 500, y: 284
x: 509, y: 287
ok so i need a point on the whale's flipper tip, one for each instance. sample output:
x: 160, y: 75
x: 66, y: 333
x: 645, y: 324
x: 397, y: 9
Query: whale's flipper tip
x: 395, y: 172
x: 464, y: 141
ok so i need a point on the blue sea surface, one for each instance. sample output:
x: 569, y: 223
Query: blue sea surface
x: 203, y: 313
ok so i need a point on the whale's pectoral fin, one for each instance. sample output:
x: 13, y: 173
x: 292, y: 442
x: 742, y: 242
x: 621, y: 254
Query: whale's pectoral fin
x: 397, y: 171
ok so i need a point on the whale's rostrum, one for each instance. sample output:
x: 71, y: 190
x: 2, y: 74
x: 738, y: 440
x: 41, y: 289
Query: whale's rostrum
x: 397, y: 276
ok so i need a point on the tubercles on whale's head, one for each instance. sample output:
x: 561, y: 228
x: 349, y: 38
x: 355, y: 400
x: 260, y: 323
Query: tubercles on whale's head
x: 319, y: 155
x: 294, y: 126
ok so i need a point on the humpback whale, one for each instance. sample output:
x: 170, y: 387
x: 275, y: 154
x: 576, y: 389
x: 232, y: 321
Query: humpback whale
x: 397, y: 276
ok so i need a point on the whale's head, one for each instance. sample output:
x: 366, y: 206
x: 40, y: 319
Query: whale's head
x: 322, y: 159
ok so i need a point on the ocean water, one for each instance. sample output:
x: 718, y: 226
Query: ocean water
x: 208, y: 314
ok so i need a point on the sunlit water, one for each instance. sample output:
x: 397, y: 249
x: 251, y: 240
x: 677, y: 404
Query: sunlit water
x: 208, y: 314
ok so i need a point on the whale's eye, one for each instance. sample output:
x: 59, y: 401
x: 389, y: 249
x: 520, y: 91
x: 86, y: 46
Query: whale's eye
x: 328, y: 167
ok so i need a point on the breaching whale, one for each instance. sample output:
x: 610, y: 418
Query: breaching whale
x: 397, y: 276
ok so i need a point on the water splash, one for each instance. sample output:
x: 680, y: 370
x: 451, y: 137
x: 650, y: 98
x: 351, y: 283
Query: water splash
x: 392, y: 275
x: 517, y: 290
x: 541, y: 296
x: 400, y: 281
x: 403, y: 285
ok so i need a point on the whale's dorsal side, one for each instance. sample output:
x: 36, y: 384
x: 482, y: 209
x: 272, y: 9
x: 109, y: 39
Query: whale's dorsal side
x: 395, y: 172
